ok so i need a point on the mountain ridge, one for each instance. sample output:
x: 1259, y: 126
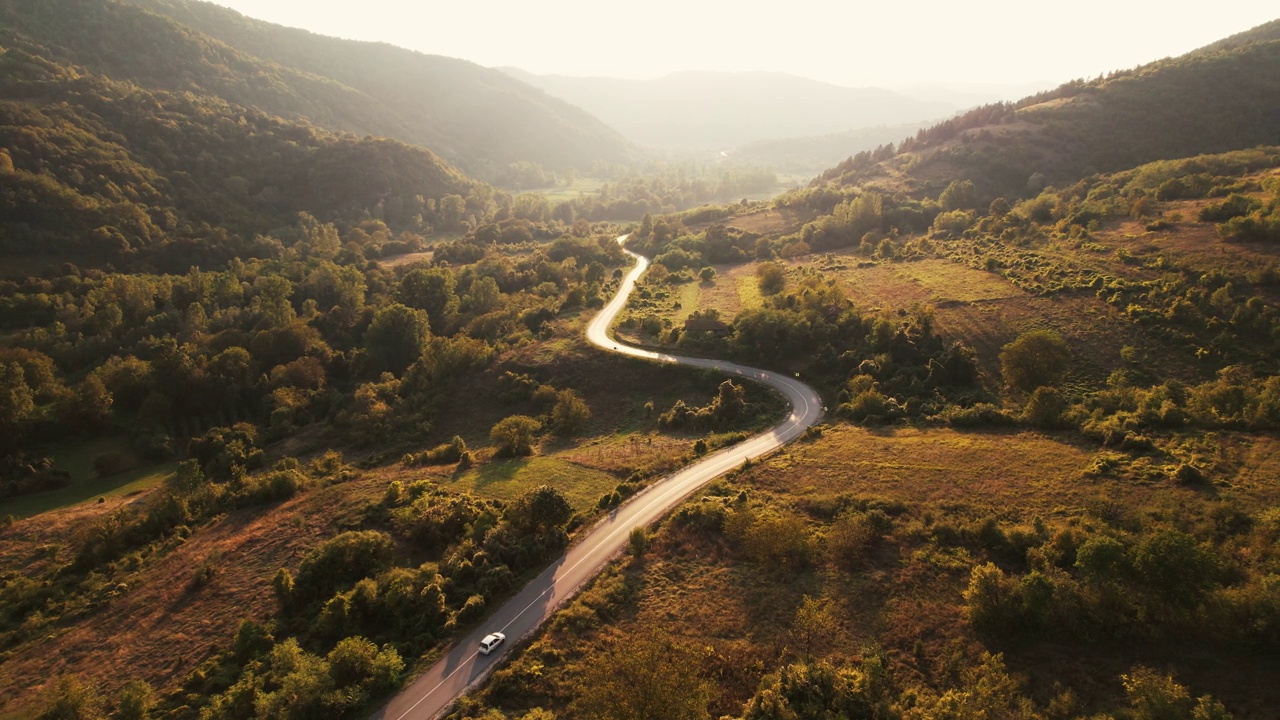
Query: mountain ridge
x: 717, y: 110
x: 476, y: 118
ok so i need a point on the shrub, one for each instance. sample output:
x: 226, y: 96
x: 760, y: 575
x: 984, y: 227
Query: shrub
x: 342, y: 560
x: 1037, y: 358
x: 1045, y: 408
x: 514, y: 435
x: 112, y: 463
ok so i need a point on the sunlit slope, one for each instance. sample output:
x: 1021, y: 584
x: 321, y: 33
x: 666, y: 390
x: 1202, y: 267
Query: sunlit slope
x: 1220, y: 98
x: 478, y: 119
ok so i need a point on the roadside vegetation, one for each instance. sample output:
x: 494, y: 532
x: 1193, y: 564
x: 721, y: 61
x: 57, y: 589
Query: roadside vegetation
x: 1047, y: 337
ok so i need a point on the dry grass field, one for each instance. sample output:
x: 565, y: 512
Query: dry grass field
x: 149, y: 620
x: 906, y: 600
x: 154, y: 623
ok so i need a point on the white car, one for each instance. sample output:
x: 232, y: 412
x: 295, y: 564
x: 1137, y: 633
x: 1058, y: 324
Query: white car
x: 491, y: 641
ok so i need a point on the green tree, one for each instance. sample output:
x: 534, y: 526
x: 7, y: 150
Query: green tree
x: 514, y: 435
x: 1045, y: 408
x: 433, y: 290
x: 136, y: 701
x: 72, y: 699
x: 453, y: 210
x: 959, y: 195
x: 654, y: 677
x: 271, y: 302
x: 396, y: 338
x: 17, y: 403
x: 570, y: 414
x: 771, y: 277
x: 1175, y: 567
x: 342, y: 560
x: 1035, y: 359
x: 1102, y: 560
x: 812, y: 625
x: 336, y: 286
x: 540, y: 509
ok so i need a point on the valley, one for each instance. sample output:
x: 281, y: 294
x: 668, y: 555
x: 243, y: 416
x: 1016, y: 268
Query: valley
x: 320, y: 360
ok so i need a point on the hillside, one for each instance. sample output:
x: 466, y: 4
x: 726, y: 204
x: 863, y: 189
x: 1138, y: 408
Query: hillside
x: 102, y: 169
x: 1223, y: 97
x: 1046, y: 490
x: 252, y: 467
x: 716, y: 111
x: 476, y: 118
x: 813, y: 154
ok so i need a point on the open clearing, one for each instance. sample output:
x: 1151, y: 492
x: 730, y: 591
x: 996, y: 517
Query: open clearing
x: 85, y: 485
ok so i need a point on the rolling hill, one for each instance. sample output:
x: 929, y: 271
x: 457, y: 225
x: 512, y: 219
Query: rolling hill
x: 1223, y: 97
x: 98, y: 168
x: 479, y: 119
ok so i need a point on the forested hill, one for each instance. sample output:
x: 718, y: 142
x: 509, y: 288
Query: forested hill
x: 104, y: 170
x: 479, y: 119
x: 1222, y: 97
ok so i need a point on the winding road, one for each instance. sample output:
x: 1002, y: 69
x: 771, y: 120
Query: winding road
x: 463, y: 666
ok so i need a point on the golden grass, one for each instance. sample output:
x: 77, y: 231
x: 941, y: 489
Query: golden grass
x: 508, y: 479
x: 772, y: 221
x: 907, y: 600
x: 156, y: 627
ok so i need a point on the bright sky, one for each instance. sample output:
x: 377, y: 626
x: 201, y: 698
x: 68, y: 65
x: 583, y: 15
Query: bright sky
x: 851, y: 42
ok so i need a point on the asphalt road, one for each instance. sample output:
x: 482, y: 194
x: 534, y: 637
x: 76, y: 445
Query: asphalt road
x: 463, y: 666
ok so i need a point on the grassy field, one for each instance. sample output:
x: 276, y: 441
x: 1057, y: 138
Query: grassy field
x: 509, y: 479
x: 582, y: 185
x: 907, y: 598
x: 86, y: 486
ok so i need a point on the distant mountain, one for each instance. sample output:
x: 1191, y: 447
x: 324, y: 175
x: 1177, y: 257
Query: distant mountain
x: 709, y: 110
x: 1223, y: 97
x: 479, y: 119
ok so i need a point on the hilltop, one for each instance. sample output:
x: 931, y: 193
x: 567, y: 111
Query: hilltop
x: 1222, y: 97
x: 476, y: 118
x: 104, y: 170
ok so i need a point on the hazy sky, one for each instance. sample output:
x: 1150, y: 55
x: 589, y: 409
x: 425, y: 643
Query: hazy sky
x: 856, y: 43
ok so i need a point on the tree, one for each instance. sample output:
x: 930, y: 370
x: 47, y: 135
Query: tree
x: 336, y: 286
x: 654, y: 677
x: 813, y: 622
x: 452, y: 211
x: 542, y: 508
x: 433, y: 290
x: 1045, y: 408
x: 137, y: 700
x: 820, y: 690
x: 707, y: 274
x: 17, y: 402
x: 514, y: 435
x: 396, y: 338
x: 1153, y: 696
x: 570, y: 413
x: 772, y: 277
x: 1174, y: 567
x: 72, y: 700
x: 1036, y: 359
x: 959, y: 195
x: 1101, y: 560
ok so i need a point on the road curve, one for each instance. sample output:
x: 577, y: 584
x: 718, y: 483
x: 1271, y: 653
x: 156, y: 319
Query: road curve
x: 431, y: 694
